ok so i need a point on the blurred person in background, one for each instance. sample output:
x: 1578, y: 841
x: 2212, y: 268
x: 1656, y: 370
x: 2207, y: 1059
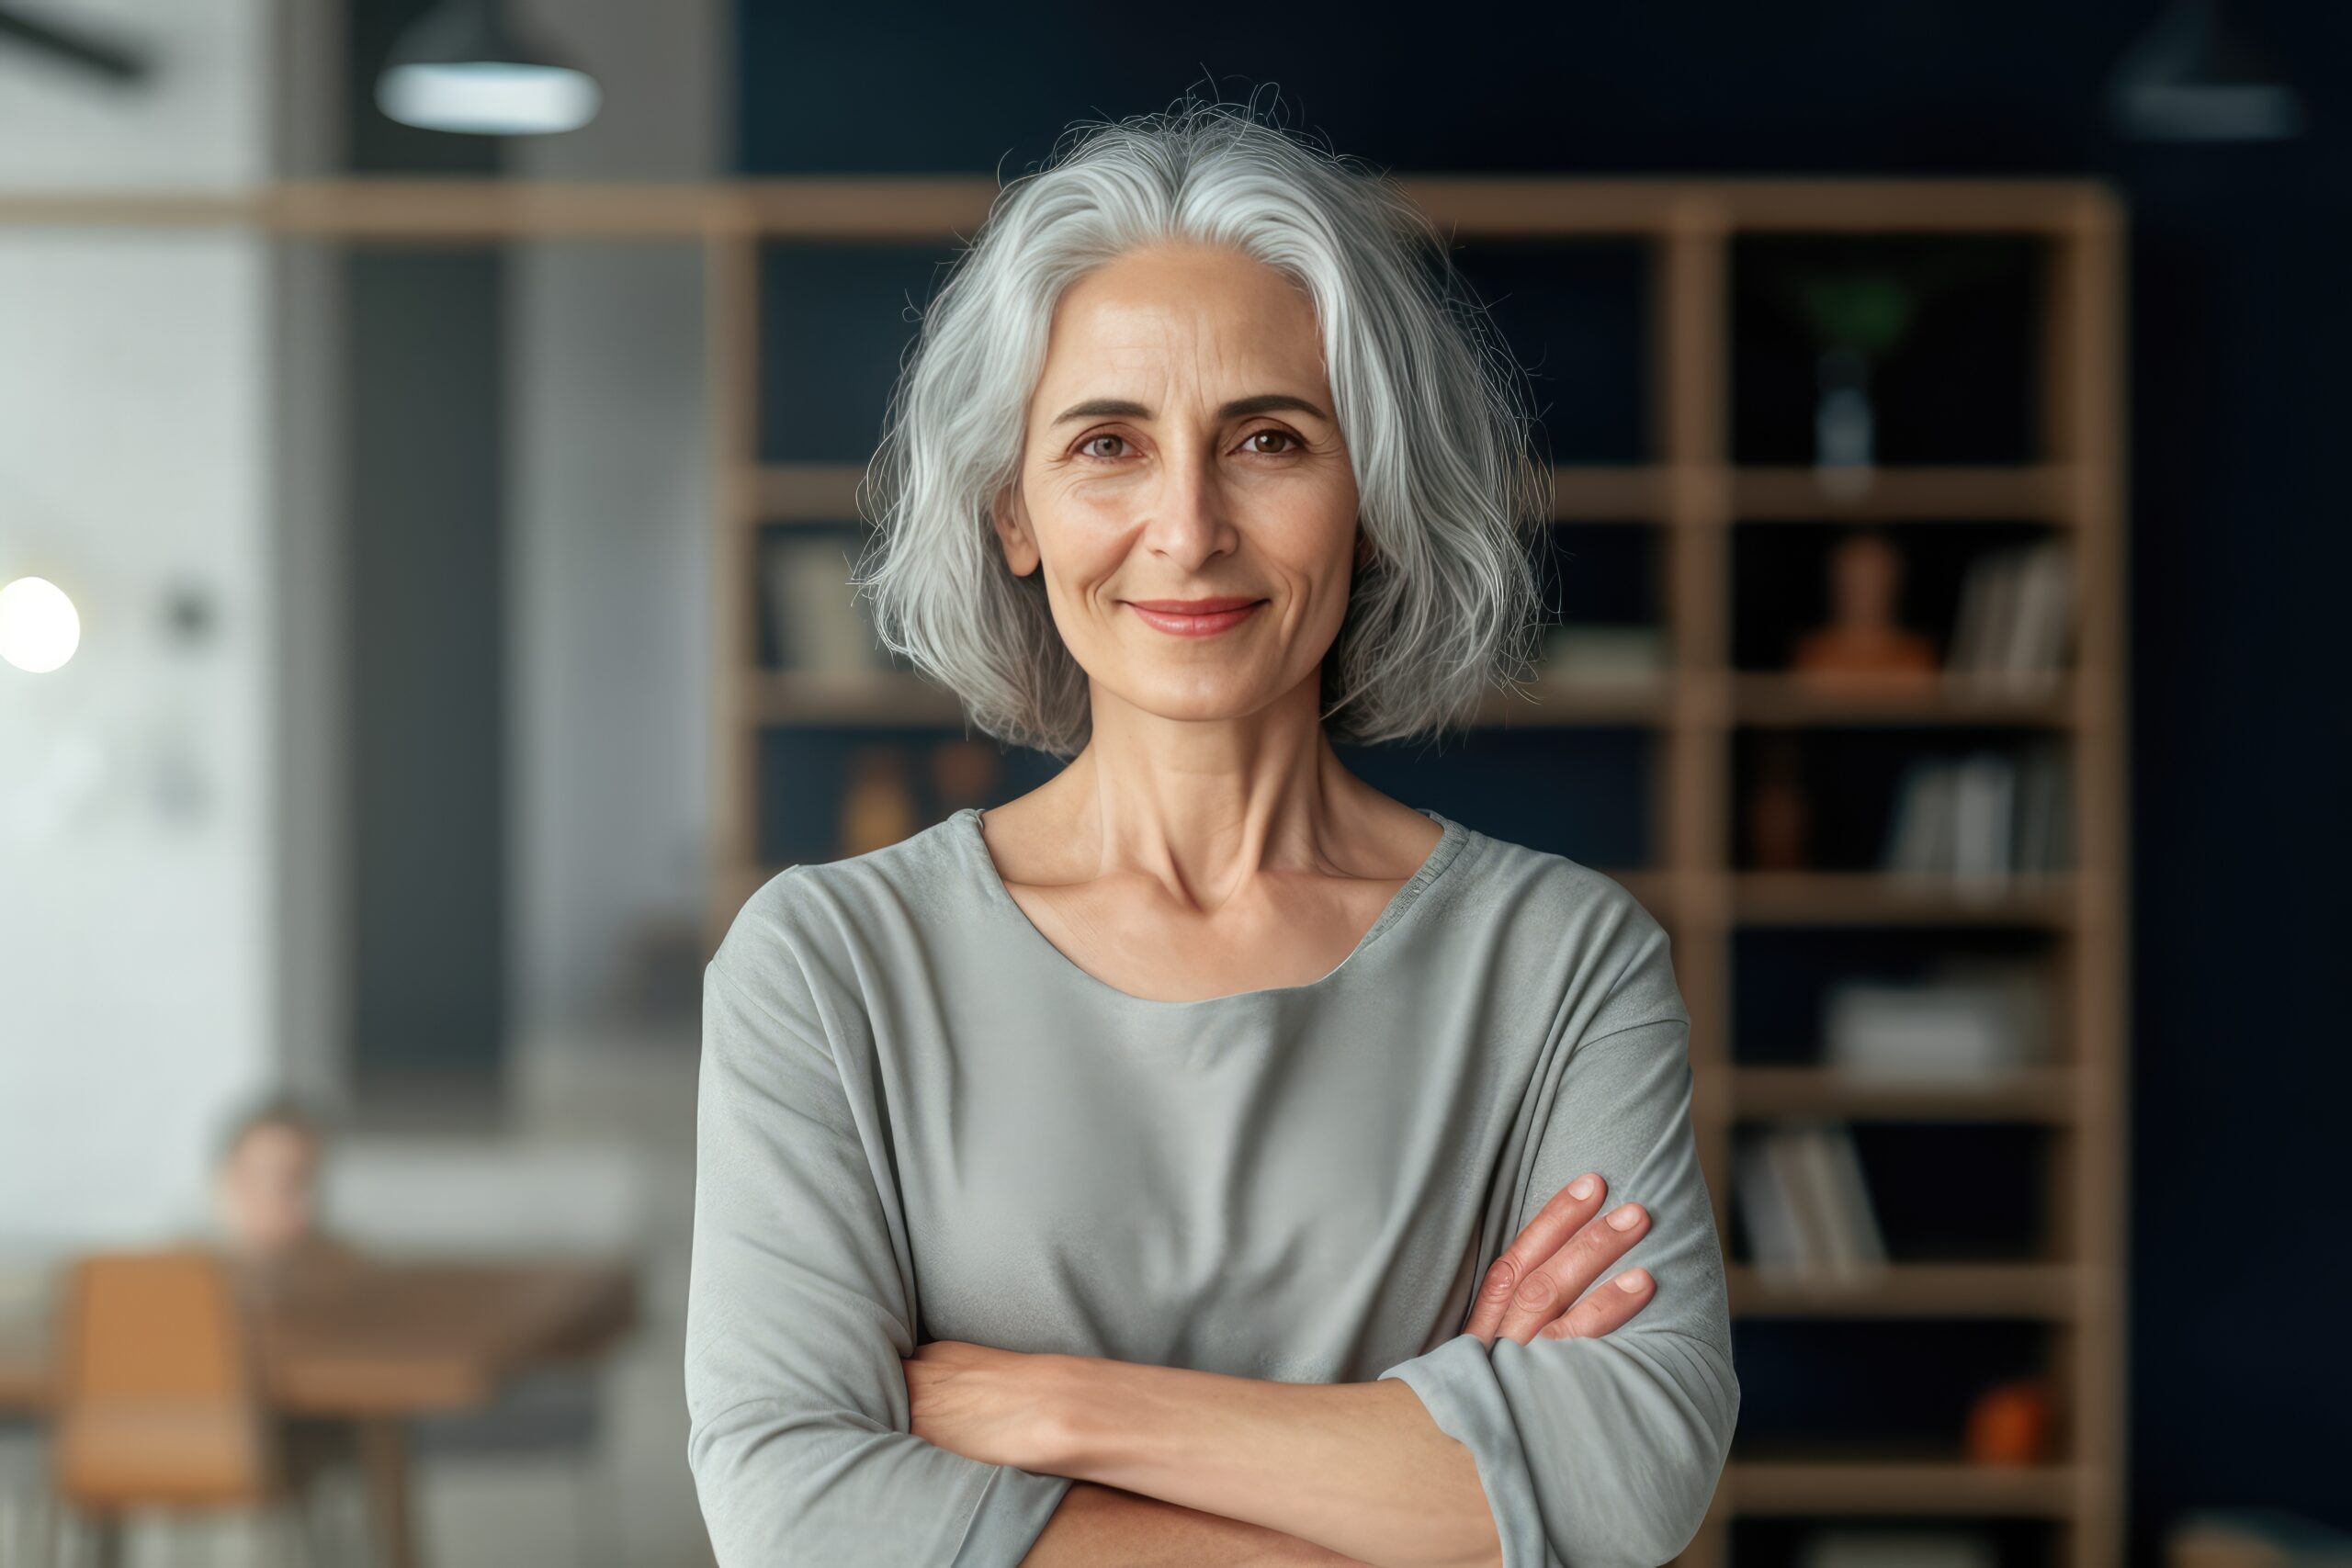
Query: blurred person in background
x: 266, y: 1206
x: 266, y: 1185
x: 264, y: 1192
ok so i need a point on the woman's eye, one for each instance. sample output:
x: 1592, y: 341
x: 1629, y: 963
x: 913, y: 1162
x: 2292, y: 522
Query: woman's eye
x: 1089, y: 447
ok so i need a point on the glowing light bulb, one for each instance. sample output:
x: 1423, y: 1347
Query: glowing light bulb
x: 489, y: 98
x: 38, y: 629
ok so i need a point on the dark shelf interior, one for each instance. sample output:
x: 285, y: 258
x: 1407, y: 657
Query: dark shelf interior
x: 1945, y: 1192
x: 1962, y: 383
x: 1780, y: 579
x: 1829, y: 1384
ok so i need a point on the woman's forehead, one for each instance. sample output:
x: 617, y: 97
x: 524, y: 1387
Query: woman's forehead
x: 1205, y: 346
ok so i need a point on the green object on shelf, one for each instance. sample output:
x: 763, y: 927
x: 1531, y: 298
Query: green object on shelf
x: 1870, y: 308
x: 1867, y: 312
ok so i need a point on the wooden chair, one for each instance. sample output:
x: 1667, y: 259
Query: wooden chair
x: 157, y: 1404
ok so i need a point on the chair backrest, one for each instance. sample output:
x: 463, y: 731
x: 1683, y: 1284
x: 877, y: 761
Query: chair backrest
x: 156, y: 1402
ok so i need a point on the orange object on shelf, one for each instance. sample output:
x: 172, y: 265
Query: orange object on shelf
x: 2009, y: 1423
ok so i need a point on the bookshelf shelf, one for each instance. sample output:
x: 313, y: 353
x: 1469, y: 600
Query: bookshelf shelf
x: 804, y: 492
x: 1782, y: 700
x: 1761, y: 1487
x: 2044, y: 1094
x: 1883, y: 898
x: 2041, y: 493
x: 883, y: 698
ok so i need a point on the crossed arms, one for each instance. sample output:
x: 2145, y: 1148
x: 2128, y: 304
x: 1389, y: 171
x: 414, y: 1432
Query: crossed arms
x: 810, y: 1402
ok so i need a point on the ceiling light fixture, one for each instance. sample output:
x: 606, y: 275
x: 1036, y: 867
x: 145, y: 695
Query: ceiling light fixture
x: 460, y: 67
x: 2191, y: 78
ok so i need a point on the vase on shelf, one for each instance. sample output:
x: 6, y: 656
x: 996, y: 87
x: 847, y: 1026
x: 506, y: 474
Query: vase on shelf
x: 1776, y: 809
x: 1845, y: 426
x: 1856, y: 319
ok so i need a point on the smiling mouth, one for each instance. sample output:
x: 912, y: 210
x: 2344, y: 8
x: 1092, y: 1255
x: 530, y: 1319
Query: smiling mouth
x: 1204, y: 617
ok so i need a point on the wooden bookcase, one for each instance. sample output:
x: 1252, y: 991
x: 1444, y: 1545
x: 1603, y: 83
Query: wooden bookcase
x: 1694, y: 495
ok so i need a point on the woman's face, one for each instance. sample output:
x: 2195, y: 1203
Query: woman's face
x: 1182, y: 446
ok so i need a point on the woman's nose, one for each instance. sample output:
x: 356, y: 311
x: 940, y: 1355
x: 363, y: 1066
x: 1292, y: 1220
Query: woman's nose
x: 1187, y: 520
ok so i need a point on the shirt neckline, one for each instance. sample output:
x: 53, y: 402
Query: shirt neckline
x: 1451, y: 842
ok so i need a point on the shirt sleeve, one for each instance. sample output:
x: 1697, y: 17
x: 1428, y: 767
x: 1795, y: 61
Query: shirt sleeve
x: 1604, y: 1452
x: 800, y: 1308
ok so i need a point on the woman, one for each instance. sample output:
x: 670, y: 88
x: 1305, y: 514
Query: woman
x: 1205, y: 1157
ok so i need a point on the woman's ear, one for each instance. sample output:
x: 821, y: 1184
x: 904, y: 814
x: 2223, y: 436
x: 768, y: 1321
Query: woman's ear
x: 1011, y: 521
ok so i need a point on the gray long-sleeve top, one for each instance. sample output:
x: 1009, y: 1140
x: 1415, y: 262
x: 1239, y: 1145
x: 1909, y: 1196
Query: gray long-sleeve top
x: 920, y: 1120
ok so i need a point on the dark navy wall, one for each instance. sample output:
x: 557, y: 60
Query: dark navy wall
x: 2242, y: 335
x: 427, y: 634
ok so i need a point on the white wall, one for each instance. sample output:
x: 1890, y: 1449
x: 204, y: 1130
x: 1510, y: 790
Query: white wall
x: 137, y: 981
x: 201, y: 118
x: 159, y: 423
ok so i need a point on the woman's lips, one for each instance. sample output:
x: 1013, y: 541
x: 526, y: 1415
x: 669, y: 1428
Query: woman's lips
x: 1195, y: 624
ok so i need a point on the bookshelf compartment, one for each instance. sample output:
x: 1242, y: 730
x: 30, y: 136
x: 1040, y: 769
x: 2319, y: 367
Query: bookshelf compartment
x: 1946, y: 1192
x: 1574, y: 315
x: 1583, y: 793
x: 1893, y: 1390
x: 1896, y: 349
x: 1604, y: 616
x: 1885, y: 1216
x: 1977, y: 602
x: 834, y: 320
x: 1883, y: 1006
x: 809, y: 618
x: 1982, y: 808
x: 831, y: 790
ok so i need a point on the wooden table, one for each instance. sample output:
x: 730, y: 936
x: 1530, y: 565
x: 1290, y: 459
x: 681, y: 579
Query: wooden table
x: 386, y: 1341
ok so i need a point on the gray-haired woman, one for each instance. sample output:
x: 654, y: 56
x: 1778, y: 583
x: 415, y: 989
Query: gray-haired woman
x: 1204, y: 1158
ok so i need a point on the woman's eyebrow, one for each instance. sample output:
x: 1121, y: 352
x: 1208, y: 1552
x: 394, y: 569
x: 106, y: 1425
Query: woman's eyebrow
x: 1240, y: 407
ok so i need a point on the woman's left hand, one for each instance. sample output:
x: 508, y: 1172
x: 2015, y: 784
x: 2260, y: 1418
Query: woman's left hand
x: 998, y: 1406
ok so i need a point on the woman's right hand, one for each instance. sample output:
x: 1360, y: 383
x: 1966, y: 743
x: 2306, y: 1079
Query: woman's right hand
x: 1563, y: 1250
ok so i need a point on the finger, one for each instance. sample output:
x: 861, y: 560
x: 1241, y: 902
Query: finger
x: 1545, y: 1234
x: 1560, y: 1278
x: 1611, y: 1307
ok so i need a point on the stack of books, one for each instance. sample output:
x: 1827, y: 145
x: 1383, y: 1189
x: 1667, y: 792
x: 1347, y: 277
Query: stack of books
x: 2015, y: 624
x: 1808, y: 1209
x: 1983, y: 818
x: 1851, y: 1547
x: 1973, y: 1019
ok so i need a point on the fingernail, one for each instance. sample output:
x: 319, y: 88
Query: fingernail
x: 1631, y: 1282
x: 1625, y: 1218
x: 1581, y: 1186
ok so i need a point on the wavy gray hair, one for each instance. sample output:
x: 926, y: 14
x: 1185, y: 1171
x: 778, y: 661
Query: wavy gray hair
x: 1430, y: 402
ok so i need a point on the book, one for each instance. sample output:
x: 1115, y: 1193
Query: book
x: 1857, y: 1215
x: 2014, y: 621
x: 1776, y: 1247
x: 820, y: 626
x: 1953, y: 1028
x: 1851, y: 1547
